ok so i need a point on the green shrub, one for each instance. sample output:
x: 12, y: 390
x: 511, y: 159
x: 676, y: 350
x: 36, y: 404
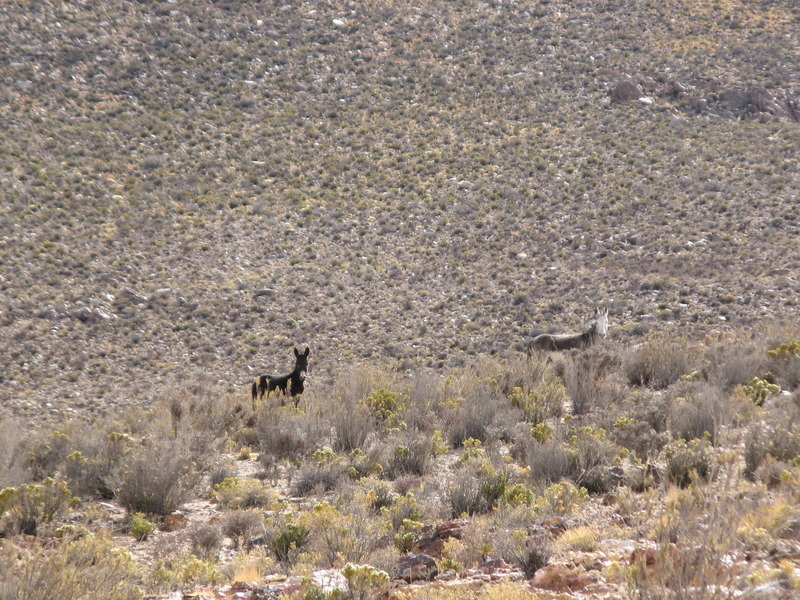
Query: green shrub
x: 68, y: 569
x: 410, y: 457
x: 25, y: 507
x: 688, y: 461
x: 288, y: 542
x: 785, y: 363
x: 140, y: 527
x: 758, y: 390
x: 242, y: 493
x: 340, y: 535
x: 561, y: 499
x: 363, y: 581
x: 528, y: 551
x: 388, y: 408
x: 543, y: 401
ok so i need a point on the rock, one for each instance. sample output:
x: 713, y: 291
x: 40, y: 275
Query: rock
x: 415, y: 567
x: 330, y: 581
x: 672, y: 89
x: 555, y: 525
x: 772, y: 590
x: 92, y: 315
x: 698, y: 104
x: 174, y: 522
x: 490, y: 566
x: 560, y: 578
x: 645, y: 556
x: 626, y: 91
x: 433, y: 538
x: 791, y: 531
x: 753, y: 99
x: 128, y: 295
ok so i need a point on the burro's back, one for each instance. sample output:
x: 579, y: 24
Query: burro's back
x: 548, y: 342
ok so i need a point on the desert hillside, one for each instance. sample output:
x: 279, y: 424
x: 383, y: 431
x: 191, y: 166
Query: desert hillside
x: 413, y: 190
x: 193, y: 187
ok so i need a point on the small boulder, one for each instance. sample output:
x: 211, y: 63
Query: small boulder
x: 492, y: 566
x: 415, y: 567
x: 561, y: 578
x: 174, y: 522
x: 433, y: 538
x: 644, y: 556
x: 626, y: 91
x: 129, y: 296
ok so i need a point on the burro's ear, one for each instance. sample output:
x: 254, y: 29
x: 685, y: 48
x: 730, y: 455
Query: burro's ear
x: 297, y: 353
x: 307, y: 352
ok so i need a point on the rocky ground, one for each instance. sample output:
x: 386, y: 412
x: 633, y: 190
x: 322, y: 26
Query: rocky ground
x: 188, y: 190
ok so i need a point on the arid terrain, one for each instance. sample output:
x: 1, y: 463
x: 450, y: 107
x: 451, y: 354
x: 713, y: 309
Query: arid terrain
x: 189, y: 190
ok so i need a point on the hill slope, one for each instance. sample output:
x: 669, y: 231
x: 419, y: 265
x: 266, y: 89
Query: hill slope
x: 195, y: 188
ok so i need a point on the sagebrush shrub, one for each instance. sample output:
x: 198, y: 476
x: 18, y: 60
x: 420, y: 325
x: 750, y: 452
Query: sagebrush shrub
x: 242, y: 493
x: 584, y: 375
x: 352, y: 426
x: 729, y: 365
x: 155, y: 479
x: 242, y: 526
x: 318, y: 477
x: 776, y: 440
x: 545, y: 400
x: 529, y: 551
x: 464, y: 494
x: 24, y: 508
x: 68, y: 568
x: 13, y: 441
x: 409, y: 455
x: 469, y: 419
x: 659, y: 363
x: 47, y: 453
x: 548, y: 461
x: 206, y: 540
x: 784, y: 362
x: 470, y: 404
x: 592, y: 456
x: 287, y: 434
x: 700, y: 414
x: 695, y: 533
x: 638, y: 437
x: 687, y: 461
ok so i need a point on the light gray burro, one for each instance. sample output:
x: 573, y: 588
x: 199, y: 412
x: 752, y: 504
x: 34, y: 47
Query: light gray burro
x: 547, y: 342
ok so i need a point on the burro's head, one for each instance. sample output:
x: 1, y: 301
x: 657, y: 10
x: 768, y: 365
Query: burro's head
x: 600, y: 321
x: 301, y: 362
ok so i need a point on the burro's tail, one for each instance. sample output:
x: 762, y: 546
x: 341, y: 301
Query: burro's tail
x: 254, y: 389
